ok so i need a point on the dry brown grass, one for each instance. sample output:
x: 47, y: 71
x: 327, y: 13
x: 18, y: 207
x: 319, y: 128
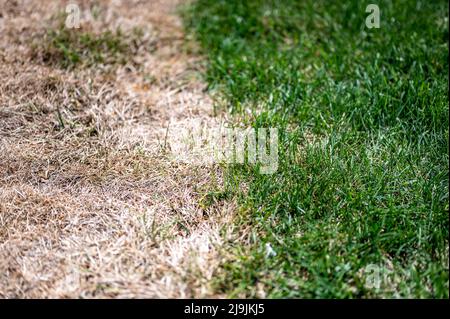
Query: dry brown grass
x: 90, y: 203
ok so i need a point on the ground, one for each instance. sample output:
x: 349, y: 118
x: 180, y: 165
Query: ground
x: 91, y: 205
x: 104, y: 193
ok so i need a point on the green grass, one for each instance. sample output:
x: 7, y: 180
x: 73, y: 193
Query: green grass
x: 363, y: 118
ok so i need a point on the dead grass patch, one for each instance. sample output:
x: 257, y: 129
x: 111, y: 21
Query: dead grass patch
x: 90, y: 204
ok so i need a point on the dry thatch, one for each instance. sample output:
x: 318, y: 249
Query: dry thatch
x: 90, y: 203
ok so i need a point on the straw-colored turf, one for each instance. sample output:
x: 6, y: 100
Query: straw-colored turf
x: 91, y: 205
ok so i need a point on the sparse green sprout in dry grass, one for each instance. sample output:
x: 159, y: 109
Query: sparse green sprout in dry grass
x: 70, y: 47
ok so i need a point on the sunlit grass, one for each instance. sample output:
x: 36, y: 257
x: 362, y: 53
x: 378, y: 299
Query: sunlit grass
x: 363, y: 172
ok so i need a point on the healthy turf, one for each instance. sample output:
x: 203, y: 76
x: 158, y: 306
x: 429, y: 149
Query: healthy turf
x: 361, y: 190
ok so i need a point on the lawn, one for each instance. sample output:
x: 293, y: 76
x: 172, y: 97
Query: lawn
x: 358, y: 207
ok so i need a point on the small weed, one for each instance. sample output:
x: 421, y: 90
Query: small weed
x: 70, y: 48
